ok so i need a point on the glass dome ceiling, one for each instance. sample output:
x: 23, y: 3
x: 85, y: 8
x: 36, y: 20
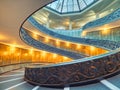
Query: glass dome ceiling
x: 70, y: 6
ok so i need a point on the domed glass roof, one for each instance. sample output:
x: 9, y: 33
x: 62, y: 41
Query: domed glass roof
x: 70, y: 6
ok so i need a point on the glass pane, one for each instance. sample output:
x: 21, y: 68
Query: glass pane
x: 70, y: 5
x: 53, y: 5
x: 76, y: 6
x: 66, y: 6
x: 82, y: 4
x: 89, y: 1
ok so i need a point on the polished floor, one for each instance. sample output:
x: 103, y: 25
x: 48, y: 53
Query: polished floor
x: 14, y: 80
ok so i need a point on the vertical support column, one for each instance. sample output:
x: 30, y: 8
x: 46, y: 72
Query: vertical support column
x: 97, y: 16
x: 70, y: 25
x: 47, y: 24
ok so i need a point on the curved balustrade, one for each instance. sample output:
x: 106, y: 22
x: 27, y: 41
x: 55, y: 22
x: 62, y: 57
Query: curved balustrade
x: 76, y: 72
x: 79, y: 71
x: 112, y: 34
x: 110, y: 45
x: 76, y: 33
x: 68, y: 46
x: 29, y: 40
x: 72, y: 33
x: 107, y: 19
x: 52, y: 42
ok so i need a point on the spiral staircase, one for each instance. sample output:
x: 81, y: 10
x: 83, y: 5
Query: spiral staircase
x: 99, y: 72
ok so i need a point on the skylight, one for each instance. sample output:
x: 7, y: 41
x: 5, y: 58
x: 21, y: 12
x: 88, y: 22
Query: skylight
x: 70, y: 6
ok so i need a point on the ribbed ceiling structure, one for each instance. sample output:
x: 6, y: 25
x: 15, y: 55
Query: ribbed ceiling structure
x: 70, y: 6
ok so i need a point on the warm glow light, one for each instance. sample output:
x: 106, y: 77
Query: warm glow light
x: 37, y: 55
x: 5, y: 53
x: 78, y: 46
x: 18, y: 54
x: 12, y: 49
x: 2, y: 37
x: 26, y: 54
x: 46, y: 39
x: 44, y: 18
x: 43, y: 54
x: 31, y: 51
x: 92, y: 48
x: 35, y: 36
x: 54, y: 55
x: 84, y: 33
x: 57, y: 42
x: 67, y: 23
x: 105, y: 31
x: 65, y: 58
x: 67, y: 44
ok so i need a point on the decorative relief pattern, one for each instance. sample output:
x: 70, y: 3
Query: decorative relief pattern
x: 74, y: 73
x: 107, y: 19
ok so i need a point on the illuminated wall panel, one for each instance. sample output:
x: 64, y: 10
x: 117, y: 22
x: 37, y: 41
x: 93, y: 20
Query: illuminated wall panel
x: 10, y: 54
